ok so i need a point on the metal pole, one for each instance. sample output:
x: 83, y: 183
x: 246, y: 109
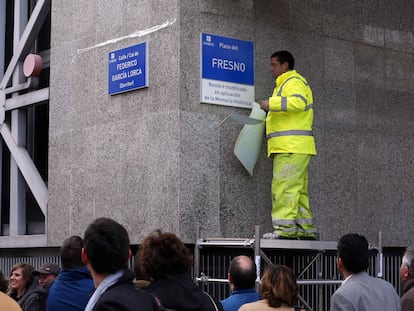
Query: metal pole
x: 2, y: 60
x: 197, y: 254
x: 380, y: 255
x: 257, y: 257
x: 18, y: 129
x: 2, y: 36
x: 319, y: 288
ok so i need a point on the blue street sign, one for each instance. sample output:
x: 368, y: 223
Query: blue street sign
x: 227, y: 59
x: 227, y: 71
x: 128, y: 69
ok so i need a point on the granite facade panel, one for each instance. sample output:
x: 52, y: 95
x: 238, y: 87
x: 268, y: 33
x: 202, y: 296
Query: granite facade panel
x: 157, y: 158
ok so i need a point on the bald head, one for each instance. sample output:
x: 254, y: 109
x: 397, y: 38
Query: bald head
x: 242, y: 273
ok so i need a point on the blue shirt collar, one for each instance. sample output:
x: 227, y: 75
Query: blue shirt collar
x: 243, y: 291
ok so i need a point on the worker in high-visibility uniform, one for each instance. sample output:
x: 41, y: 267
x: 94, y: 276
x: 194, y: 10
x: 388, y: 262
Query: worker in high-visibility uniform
x: 291, y: 145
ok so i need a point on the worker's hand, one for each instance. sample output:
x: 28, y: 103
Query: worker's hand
x: 264, y: 104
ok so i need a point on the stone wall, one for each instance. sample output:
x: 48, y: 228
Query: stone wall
x: 157, y: 158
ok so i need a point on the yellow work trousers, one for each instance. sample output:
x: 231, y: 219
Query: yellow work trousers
x: 291, y: 213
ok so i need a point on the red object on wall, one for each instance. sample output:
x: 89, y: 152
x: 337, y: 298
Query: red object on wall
x: 32, y: 65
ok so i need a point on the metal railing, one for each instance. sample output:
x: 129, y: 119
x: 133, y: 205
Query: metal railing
x: 313, y: 262
x: 315, y: 267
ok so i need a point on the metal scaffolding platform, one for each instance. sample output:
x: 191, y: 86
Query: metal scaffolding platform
x: 259, y: 247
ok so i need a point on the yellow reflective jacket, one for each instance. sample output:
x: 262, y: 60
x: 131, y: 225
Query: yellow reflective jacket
x: 290, y: 117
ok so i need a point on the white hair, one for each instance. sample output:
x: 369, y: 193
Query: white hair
x: 408, y: 259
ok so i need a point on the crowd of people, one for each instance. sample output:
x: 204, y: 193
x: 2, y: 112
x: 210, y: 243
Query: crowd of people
x: 94, y: 276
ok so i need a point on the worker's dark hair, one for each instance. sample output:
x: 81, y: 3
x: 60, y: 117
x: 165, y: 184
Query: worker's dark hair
x: 283, y: 57
x: 242, y: 276
x: 354, y: 253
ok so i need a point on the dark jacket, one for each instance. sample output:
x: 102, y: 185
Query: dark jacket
x: 179, y: 292
x: 71, y: 290
x: 35, y: 298
x: 407, y: 300
x: 123, y: 296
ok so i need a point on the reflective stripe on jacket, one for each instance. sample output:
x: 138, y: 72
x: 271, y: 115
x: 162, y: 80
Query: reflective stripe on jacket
x: 290, y: 117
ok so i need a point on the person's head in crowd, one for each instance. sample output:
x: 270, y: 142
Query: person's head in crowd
x: 47, y: 273
x: 160, y: 255
x: 278, y: 286
x: 20, y: 279
x: 106, y: 253
x: 106, y: 247
x: 3, y: 283
x: 242, y: 273
x: 406, y: 268
x: 353, y: 254
x: 71, y: 252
